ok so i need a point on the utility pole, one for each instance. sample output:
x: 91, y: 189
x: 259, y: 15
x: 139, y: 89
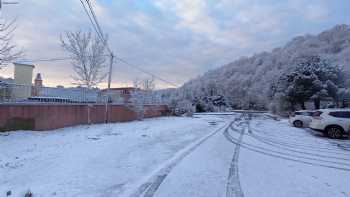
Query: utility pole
x: 97, y: 27
x: 109, y: 86
x: 110, y: 71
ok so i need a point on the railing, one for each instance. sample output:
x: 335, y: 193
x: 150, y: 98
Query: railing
x: 23, y: 93
x: 14, y: 93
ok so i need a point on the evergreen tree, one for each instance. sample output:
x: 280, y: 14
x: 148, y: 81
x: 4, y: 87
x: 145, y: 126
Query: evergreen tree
x: 314, y: 79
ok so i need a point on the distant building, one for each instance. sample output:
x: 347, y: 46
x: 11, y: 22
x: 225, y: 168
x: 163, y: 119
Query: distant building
x: 117, y: 95
x: 22, y: 88
x: 23, y: 79
x: 6, y: 81
x: 38, y: 84
x: 38, y: 80
x: 74, y: 95
x: 23, y: 73
x: 5, y: 88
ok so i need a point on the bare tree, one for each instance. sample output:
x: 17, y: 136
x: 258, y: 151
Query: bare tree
x: 137, y: 103
x: 88, y: 58
x: 136, y: 83
x: 8, y: 52
x: 147, y: 84
x: 141, y: 95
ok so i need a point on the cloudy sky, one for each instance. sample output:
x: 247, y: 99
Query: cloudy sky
x: 175, y: 39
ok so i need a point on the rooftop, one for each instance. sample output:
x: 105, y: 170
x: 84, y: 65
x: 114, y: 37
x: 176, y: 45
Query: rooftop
x: 24, y: 64
x: 125, y: 88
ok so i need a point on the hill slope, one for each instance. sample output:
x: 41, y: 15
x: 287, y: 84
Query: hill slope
x: 248, y: 81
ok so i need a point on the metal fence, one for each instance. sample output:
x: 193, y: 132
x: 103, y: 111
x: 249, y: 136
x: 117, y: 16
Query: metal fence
x: 14, y: 93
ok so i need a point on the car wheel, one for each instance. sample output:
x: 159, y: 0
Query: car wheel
x: 298, y: 123
x: 334, y: 132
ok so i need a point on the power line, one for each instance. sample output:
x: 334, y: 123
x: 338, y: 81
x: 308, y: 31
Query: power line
x: 98, y: 29
x: 95, y: 19
x: 91, y: 21
x: 95, y: 24
x: 46, y: 60
x: 99, y: 32
x: 120, y: 59
x: 51, y: 59
x: 147, y: 72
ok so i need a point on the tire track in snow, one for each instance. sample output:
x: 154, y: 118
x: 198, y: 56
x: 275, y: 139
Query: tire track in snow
x: 294, y: 140
x: 295, y: 150
x: 233, y: 187
x: 287, y: 156
x: 149, y: 187
x: 305, y: 146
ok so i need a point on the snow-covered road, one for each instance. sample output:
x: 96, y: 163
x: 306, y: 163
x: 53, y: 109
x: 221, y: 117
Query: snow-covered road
x: 236, y: 155
x: 256, y: 156
x: 277, y: 160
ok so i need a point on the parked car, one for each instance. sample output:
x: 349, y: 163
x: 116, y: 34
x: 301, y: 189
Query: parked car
x: 301, y: 118
x: 334, y: 123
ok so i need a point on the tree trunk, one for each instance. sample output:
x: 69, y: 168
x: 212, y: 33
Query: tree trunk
x: 292, y: 106
x: 317, y: 103
x: 302, y: 104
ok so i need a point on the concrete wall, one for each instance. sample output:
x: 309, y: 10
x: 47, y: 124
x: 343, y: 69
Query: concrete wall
x: 52, y: 116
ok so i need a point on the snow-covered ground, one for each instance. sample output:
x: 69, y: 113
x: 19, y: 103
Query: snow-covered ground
x: 98, y: 160
x: 262, y: 157
x: 277, y: 160
x: 211, y: 155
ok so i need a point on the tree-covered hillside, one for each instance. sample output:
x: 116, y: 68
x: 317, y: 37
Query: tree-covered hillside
x: 247, y: 82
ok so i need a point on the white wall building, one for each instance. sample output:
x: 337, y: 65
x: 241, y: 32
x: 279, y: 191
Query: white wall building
x: 23, y: 76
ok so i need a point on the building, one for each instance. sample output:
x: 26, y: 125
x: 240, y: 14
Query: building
x: 38, y: 85
x: 6, y: 80
x: 21, y: 87
x: 117, y: 95
x: 38, y: 82
x: 6, y: 88
x: 23, y: 77
x: 70, y: 95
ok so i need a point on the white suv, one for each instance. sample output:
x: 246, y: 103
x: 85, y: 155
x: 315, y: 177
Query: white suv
x: 333, y: 122
x: 301, y: 118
